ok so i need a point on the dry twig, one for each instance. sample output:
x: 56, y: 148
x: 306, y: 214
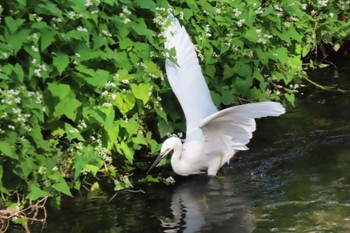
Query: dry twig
x: 30, y: 213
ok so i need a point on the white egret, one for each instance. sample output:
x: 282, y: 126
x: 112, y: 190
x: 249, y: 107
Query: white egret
x: 212, y: 136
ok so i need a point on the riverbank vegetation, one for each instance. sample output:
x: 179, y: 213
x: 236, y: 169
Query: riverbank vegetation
x: 84, y: 96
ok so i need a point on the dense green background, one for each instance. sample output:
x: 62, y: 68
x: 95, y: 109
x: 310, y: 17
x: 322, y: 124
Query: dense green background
x: 83, y: 92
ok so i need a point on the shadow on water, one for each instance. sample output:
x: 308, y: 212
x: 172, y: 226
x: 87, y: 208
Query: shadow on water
x: 295, y: 178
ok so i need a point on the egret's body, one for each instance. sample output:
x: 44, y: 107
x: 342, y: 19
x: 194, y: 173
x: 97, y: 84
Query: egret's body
x: 212, y: 136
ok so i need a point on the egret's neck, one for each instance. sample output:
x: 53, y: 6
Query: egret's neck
x: 176, y: 157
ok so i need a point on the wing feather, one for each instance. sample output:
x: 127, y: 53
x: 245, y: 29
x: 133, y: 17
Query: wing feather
x: 186, y: 78
x: 232, y: 128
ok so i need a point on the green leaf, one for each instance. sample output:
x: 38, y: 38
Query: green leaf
x: 67, y: 104
x: 61, y: 184
x: 27, y: 166
x: 2, y: 188
x: 122, y: 184
x: 61, y: 61
x: 36, y: 192
x: 92, y: 168
x: 79, y: 164
x: 127, y: 151
x: 243, y: 70
x: 7, y: 150
x: 72, y: 133
x: 146, y: 4
x: 62, y: 187
x: 124, y: 102
x: 290, y: 98
x: 95, y: 187
x: 151, y: 67
x: 141, y: 29
x: 141, y: 91
x: 19, y: 72
x: 95, y: 78
x: 13, y: 24
x: 47, y: 38
x: 17, y: 40
x: 37, y: 137
x: 49, y: 8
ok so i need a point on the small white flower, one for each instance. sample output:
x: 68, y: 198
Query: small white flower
x: 37, y: 72
x: 74, y: 130
x: 17, y: 111
x: 126, y: 20
x: 110, y: 84
x: 259, y: 10
x: 126, y: 10
x: 170, y: 179
x: 107, y: 33
x: 35, y: 49
x: 240, y: 22
x: 107, y: 104
x: 57, y: 20
x: 237, y: 12
x: 262, y: 41
x: 17, y: 100
x: 35, y: 36
x: 79, y: 146
x: 81, y: 29
x: 88, y: 3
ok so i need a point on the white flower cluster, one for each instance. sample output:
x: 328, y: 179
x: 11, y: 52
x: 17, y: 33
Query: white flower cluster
x: 109, y: 94
x: 36, y: 17
x: 295, y: 88
x: 125, y: 15
x: 73, y: 15
x: 240, y: 22
x: 162, y: 21
x: 11, y: 100
x: 344, y: 5
x: 207, y: 31
x: 89, y: 3
x: 323, y: 3
x: 39, y: 68
x: 237, y: 12
x: 82, y: 29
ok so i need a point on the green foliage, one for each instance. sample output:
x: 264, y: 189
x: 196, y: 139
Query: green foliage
x: 82, y: 84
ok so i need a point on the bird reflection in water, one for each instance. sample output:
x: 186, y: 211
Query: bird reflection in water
x: 206, y: 204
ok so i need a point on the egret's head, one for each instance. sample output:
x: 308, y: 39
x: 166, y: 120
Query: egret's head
x: 168, y: 146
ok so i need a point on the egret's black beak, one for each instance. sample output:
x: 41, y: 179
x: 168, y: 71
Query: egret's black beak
x: 160, y: 156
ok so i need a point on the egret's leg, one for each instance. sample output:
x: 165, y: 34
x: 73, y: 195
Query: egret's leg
x: 214, y: 166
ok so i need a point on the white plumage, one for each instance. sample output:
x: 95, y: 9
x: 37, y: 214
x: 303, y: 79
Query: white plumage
x: 212, y: 136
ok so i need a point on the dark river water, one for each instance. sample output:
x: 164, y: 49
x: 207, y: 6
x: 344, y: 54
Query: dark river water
x: 294, y: 178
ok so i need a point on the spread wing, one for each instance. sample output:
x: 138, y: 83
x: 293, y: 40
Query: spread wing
x: 232, y: 128
x: 186, y: 78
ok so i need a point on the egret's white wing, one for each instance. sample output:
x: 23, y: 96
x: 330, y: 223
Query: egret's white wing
x: 232, y: 128
x: 186, y: 78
